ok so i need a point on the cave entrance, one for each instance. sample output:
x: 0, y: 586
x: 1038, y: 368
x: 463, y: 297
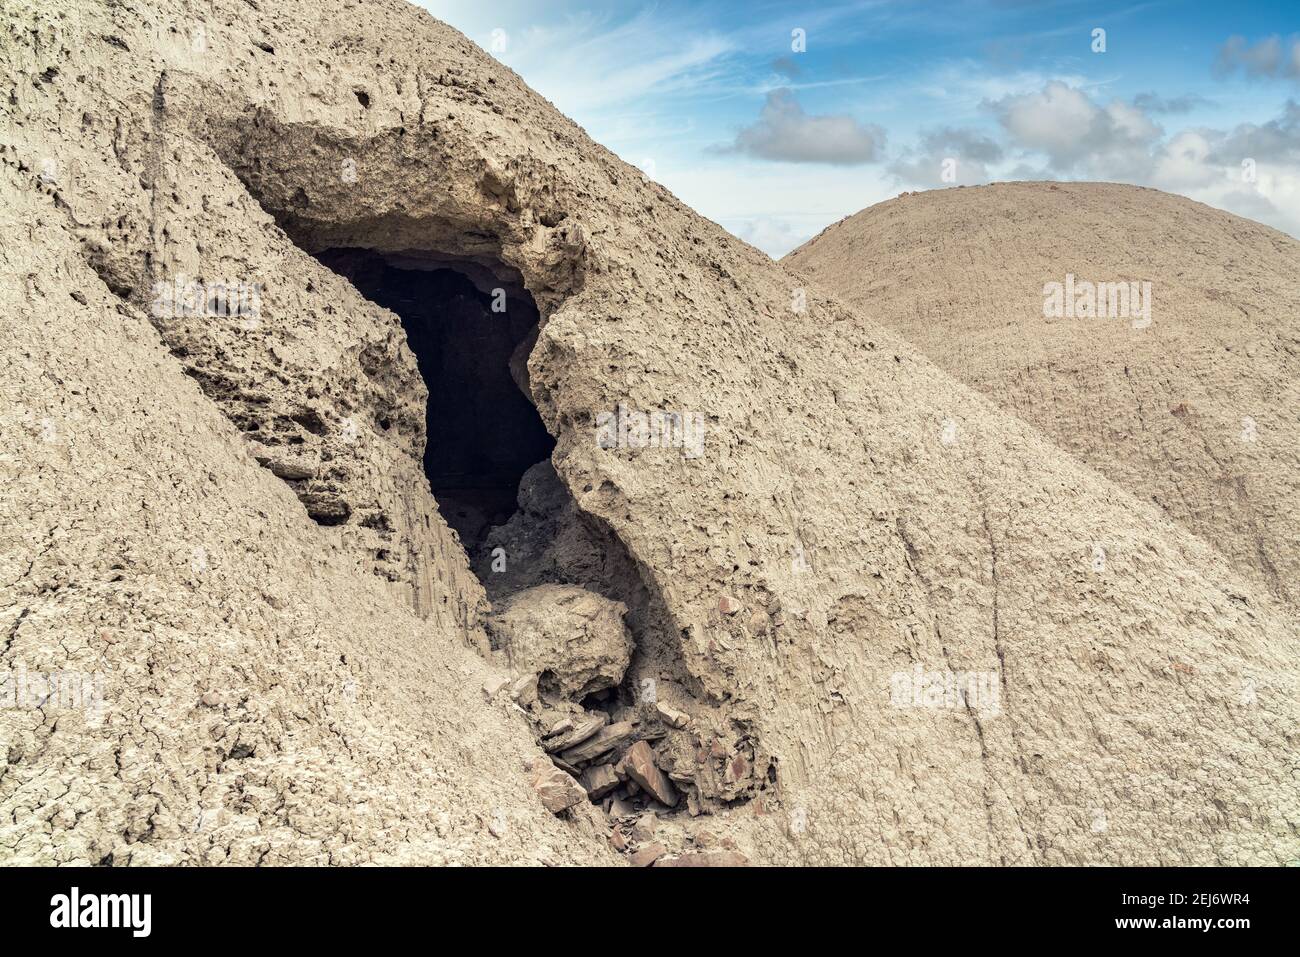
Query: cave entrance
x: 471, y: 328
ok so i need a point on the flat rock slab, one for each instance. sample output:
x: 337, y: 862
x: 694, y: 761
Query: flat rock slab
x: 558, y: 791
x: 639, y: 762
x: 578, y: 731
x: 606, y: 739
x: 647, y: 855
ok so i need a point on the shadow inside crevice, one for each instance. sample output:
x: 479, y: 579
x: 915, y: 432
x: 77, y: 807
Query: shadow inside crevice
x: 470, y: 330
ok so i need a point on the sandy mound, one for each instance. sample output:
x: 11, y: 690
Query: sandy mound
x: 1190, y: 404
x: 867, y: 620
x: 261, y: 702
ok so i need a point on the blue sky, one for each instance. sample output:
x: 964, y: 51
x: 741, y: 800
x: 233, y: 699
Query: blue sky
x: 713, y: 100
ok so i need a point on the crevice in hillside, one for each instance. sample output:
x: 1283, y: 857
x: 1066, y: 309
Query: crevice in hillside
x: 581, y: 623
x: 468, y: 327
x: 594, y: 652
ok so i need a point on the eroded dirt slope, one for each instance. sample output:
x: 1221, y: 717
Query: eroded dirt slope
x: 1192, y: 407
x: 261, y: 701
x: 854, y: 515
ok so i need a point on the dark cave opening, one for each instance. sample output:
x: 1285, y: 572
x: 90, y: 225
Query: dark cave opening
x: 470, y: 330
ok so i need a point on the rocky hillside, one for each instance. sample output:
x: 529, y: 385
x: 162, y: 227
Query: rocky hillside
x: 786, y: 591
x: 1188, y: 402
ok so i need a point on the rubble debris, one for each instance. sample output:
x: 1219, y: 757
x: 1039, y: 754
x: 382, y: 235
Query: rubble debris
x: 705, y: 859
x: 599, y: 780
x: 558, y: 790
x: 728, y: 605
x: 672, y: 717
x: 565, y: 766
x: 644, y: 828
x: 639, y: 763
x: 561, y: 726
x: 646, y: 856
x: 605, y: 740
x: 559, y: 638
x: 652, y: 732
x: 580, y: 731
x: 492, y: 687
x: 524, y: 690
x: 738, y: 769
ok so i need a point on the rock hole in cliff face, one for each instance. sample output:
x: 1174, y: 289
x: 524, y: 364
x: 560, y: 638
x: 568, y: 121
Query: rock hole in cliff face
x: 470, y: 328
x: 593, y: 649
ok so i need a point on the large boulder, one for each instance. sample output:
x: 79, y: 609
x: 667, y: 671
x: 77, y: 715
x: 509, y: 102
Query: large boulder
x: 574, y: 639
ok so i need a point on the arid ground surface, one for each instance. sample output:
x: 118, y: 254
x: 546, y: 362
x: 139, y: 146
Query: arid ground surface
x: 1191, y: 406
x: 711, y: 559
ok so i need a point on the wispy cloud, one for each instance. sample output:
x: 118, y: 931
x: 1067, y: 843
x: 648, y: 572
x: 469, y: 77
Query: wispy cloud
x: 784, y: 132
x: 1154, y: 103
x: 1270, y: 57
x: 634, y: 58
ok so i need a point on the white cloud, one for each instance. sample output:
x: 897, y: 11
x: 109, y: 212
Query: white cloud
x: 1276, y: 141
x: 1119, y: 142
x: 1183, y: 164
x: 967, y: 84
x: 969, y: 152
x: 1073, y: 131
x: 785, y: 132
x: 1054, y: 121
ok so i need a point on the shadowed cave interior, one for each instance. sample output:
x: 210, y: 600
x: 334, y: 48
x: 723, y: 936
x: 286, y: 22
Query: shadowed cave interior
x: 468, y: 327
x: 471, y: 325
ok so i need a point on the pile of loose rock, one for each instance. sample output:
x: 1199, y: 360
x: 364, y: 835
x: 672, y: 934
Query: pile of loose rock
x: 615, y: 763
x: 568, y: 649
